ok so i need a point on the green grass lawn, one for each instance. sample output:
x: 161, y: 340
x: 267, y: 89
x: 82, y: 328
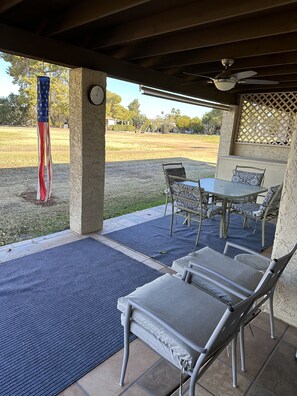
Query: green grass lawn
x: 18, y: 146
x: 133, y: 180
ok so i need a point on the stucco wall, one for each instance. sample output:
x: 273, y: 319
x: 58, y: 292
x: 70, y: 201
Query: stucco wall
x: 279, y: 153
x: 228, y: 127
x: 285, y: 239
x: 274, y: 174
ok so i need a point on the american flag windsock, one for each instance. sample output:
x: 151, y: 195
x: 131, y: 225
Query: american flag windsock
x: 44, y: 189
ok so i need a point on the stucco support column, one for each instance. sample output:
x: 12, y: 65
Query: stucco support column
x: 87, y: 152
x: 227, y: 130
x: 285, y: 238
x: 226, y: 137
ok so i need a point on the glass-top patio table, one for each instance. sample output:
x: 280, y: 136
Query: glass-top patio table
x: 226, y: 191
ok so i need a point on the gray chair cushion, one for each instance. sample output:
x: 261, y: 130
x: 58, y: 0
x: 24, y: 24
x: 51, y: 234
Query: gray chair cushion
x: 256, y: 262
x: 231, y: 269
x: 193, y: 306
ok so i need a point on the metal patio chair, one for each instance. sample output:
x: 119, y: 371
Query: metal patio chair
x: 244, y: 273
x: 191, y: 202
x: 266, y: 211
x: 185, y: 325
x: 248, y: 175
x: 171, y: 169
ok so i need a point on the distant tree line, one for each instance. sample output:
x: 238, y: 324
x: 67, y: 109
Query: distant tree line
x: 20, y: 109
x: 132, y: 119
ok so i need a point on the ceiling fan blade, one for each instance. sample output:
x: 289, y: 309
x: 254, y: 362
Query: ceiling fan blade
x: 196, y: 82
x: 245, y: 74
x: 197, y: 75
x: 259, y: 82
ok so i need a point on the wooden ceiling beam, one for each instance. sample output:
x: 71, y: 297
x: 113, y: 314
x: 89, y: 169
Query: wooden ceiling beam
x: 278, y: 77
x: 235, y: 32
x: 7, y: 4
x: 277, y: 70
x: 86, y: 12
x: 250, y: 48
x: 183, y: 17
x: 21, y: 42
x: 284, y: 87
x: 264, y: 69
x: 280, y: 60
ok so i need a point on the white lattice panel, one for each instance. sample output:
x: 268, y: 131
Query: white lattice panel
x: 268, y: 118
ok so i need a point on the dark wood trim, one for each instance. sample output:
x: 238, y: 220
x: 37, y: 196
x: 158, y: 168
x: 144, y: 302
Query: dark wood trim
x: 48, y: 49
x: 7, y: 4
x: 259, y: 47
x: 285, y: 61
x: 87, y: 12
x: 183, y: 17
x: 242, y: 30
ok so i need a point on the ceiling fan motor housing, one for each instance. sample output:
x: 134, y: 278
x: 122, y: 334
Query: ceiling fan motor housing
x: 227, y: 62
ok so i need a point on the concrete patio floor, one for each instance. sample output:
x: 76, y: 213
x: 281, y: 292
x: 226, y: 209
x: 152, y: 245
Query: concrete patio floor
x: 271, y: 364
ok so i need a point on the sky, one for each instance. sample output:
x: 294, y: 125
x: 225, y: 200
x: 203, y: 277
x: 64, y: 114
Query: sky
x: 149, y: 106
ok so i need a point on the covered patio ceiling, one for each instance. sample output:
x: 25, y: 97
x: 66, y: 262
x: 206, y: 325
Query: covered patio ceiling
x: 157, y: 42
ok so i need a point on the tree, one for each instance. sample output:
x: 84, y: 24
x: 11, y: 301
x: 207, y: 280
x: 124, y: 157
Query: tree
x: 112, y: 102
x: 196, y: 125
x: 134, y: 107
x: 24, y: 72
x: 174, y: 115
x: 139, y: 120
x: 156, y: 124
x: 183, y: 122
x: 12, y: 112
x: 212, y: 121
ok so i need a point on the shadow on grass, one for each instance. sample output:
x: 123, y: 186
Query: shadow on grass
x: 129, y: 186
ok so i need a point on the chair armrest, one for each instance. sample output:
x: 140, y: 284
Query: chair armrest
x: 133, y: 304
x: 236, y: 293
x: 244, y: 249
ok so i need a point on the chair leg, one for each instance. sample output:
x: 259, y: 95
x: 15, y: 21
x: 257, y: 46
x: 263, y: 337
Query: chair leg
x: 242, y: 348
x: 193, y: 379
x: 126, y: 345
x: 125, y: 357
x: 172, y: 219
x: 263, y: 233
x: 199, y: 231
x: 166, y: 204
x: 229, y: 215
x: 245, y: 222
x: 192, y: 388
x: 189, y: 220
x: 271, y: 315
x: 234, y: 362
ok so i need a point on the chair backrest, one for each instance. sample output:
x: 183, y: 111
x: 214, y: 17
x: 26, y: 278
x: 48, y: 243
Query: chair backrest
x: 277, y: 266
x: 234, y: 316
x: 248, y: 175
x: 189, y: 197
x: 271, y: 202
x: 173, y: 169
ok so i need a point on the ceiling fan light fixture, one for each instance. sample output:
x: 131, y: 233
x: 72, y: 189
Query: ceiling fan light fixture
x: 224, y: 85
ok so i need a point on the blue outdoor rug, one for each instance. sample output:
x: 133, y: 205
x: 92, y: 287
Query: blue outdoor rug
x: 152, y: 237
x: 59, y: 316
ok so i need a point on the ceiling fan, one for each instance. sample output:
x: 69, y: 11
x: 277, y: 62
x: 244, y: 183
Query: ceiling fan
x: 227, y: 80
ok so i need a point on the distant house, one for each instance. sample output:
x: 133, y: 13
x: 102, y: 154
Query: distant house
x: 110, y: 121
